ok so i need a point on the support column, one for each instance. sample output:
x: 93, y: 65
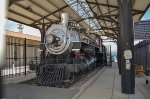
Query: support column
x: 127, y: 44
x: 110, y: 57
x: 146, y: 65
x: 25, y: 57
x: 42, y: 43
x: 119, y: 52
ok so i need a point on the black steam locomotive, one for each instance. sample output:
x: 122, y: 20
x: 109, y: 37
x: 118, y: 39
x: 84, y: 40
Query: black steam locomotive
x: 67, y: 56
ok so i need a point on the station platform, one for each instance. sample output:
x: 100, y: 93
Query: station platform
x: 108, y: 86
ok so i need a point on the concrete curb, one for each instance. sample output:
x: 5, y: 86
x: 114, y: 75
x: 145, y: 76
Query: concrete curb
x: 88, y: 83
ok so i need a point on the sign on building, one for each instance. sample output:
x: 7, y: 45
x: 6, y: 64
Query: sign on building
x: 142, y: 30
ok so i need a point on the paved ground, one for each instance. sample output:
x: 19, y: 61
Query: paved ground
x: 21, y: 91
x: 19, y: 79
x: 104, y: 85
x: 108, y: 86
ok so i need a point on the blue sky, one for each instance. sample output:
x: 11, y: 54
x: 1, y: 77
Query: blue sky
x: 10, y: 25
x: 146, y: 15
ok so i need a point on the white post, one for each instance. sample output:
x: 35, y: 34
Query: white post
x: 13, y: 67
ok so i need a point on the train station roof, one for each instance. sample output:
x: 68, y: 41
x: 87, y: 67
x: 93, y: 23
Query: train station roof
x: 100, y: 15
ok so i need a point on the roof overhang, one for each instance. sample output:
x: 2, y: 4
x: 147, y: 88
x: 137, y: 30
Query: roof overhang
x: 107, y: 13
x: 36, y: 12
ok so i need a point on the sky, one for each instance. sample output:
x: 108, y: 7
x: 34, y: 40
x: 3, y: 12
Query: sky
x: 146, y: 15
x: 12, y: 26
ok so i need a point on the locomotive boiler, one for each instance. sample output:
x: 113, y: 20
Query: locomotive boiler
x: 67, y: 56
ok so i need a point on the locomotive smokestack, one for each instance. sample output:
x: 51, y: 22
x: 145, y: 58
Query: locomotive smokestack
x: 64, y: 19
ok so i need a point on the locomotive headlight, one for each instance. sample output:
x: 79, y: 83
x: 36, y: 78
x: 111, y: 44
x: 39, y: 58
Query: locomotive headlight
x: 49, y: 39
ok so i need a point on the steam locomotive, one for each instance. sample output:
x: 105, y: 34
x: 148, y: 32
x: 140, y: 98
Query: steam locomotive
x: 67, y: 56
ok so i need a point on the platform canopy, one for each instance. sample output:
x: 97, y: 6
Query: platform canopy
x: 100, y: 16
